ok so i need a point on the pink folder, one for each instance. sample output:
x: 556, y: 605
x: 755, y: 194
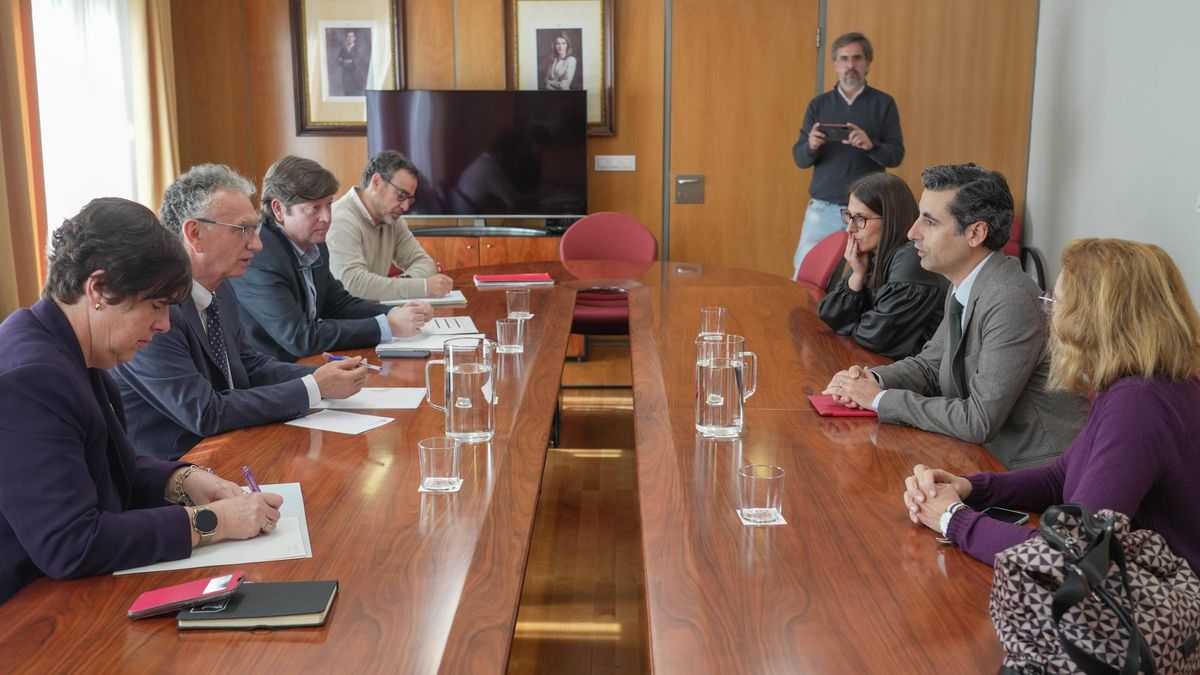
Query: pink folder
x: 825, y: 405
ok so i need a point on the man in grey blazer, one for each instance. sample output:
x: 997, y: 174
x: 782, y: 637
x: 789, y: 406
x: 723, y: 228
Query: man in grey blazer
x: 201, y: 377
x: 291, y: 304
x: 982, y: 376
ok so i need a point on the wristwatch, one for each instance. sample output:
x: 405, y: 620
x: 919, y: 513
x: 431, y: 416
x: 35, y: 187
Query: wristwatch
x: 944, y: 521
x: 204, y: 521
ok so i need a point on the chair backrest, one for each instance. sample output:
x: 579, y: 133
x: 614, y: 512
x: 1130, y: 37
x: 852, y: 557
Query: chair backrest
x: 818, y: 266
x: 608, y: 235
x: 1013, y: 245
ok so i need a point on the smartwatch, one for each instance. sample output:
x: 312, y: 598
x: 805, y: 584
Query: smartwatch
x: 204, y: 521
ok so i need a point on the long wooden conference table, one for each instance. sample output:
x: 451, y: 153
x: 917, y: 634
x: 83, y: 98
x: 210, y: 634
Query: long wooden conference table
x: 431, y: 583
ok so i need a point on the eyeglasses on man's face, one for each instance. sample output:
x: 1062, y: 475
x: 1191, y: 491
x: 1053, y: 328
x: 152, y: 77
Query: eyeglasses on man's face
x: 246, y: 231
x: 857, y: 221
x: 404, y: 196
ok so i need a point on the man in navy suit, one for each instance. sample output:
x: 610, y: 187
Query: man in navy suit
x: 202, y: 377
x: 291, y: 304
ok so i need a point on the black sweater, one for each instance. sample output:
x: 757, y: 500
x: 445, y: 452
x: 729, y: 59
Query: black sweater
x: 838, y: 164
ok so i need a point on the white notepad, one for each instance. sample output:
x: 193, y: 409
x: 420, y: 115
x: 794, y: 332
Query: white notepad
x: 449, y: 325
x: 340, y: 422
x: 286, y: 541
x: 454, y: 297
x: 377, y: 398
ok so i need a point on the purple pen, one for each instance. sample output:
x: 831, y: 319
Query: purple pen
x: 250, y: 479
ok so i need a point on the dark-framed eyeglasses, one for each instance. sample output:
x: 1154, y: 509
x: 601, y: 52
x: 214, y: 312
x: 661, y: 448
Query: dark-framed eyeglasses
x: 857, y: 221
x: 245, y: 230
x: 403, y: 195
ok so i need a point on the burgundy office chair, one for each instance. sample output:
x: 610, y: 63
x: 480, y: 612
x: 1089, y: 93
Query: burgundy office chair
x: 1028, y: 257
x: 818, y: 268
x: 605, y: 236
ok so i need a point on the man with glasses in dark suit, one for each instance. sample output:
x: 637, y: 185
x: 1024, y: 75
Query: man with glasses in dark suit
x: 202, y: 377
x: 368, y: 236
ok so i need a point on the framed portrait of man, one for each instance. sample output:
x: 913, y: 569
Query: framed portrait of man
x: 565, y: 45
x: 340, y: 49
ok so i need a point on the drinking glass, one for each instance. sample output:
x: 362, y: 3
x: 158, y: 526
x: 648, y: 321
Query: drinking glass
x: 441, y: 463
x: 760, y: 493
x: 712, y: 321
x: 518, y: 303
x: 510, y: 336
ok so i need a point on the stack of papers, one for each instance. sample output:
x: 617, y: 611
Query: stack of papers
x: 454, y: 297
x: 538, y: 279
x: 340, y: 422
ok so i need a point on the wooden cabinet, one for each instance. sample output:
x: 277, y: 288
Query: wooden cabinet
x: 456, y: 252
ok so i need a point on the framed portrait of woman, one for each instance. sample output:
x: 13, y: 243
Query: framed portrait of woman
x: 565, y: 45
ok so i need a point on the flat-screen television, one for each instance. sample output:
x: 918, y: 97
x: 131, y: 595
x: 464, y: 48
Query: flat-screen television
x: 487, y: 153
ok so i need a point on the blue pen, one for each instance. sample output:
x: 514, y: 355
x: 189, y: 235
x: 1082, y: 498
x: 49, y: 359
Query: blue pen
x: 335, y: 357
x: 250, y: 479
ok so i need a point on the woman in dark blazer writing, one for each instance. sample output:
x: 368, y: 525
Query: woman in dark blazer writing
x: 887, y: 302
x: 74, y: 499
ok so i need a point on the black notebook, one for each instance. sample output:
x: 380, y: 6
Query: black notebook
x: 265, y: 605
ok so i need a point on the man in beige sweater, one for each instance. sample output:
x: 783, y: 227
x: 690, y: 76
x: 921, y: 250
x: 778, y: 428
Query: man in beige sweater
x: 368, y: 234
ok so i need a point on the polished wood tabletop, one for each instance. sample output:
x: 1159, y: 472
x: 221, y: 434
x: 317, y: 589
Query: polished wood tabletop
x: 431, y: 583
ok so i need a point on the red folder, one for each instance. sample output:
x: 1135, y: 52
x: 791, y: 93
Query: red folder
x: 825, y: 405
x: 533, y: 278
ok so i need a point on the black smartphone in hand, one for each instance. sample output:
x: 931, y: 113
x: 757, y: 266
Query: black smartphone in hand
x: 835, y: 132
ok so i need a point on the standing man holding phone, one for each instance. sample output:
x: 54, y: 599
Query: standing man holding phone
x: 848, y: 132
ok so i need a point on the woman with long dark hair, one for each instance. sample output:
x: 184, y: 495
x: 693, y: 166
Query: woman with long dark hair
x: 887, y: 302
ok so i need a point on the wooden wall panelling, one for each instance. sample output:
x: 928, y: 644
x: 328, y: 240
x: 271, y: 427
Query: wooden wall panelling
x: 479, y: 44
x: 429, y: 44
x: 743, y: 72
x: 638, y: 52
x: 210, y: 72
x: 272, y: 101
x: 962, y: 76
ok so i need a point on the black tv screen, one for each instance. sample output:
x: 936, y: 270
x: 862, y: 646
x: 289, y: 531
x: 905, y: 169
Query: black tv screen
x: 487, y: 153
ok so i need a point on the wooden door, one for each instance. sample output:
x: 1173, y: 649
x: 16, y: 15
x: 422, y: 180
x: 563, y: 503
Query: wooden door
x: 961, y: 74
x: 742, y: 74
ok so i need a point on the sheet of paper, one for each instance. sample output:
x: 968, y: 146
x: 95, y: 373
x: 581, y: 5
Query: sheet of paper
x: 431, y: 342
x: 378, y: 398
x: 449, y: 325
x: 454, y: 297
x: 288, y: 540
x: 340, y: 422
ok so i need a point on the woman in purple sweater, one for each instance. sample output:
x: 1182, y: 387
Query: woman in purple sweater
x: 1122, y: 325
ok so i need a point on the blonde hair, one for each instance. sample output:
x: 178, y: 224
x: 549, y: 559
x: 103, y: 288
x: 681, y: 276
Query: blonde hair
x: 1125, y: 310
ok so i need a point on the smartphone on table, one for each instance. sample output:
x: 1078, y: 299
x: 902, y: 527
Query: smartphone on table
x: 1006, y: 515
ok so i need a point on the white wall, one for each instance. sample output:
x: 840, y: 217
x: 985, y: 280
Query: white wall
x: 1115, y: 139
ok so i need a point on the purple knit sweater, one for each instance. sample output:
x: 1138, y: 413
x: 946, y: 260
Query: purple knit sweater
x: 1138, y: 454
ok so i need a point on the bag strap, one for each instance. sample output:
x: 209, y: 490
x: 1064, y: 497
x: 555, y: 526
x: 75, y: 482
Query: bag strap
x: 1086, y: 572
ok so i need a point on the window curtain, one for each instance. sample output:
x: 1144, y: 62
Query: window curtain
x: 156, y: 130
x: 22, y: 212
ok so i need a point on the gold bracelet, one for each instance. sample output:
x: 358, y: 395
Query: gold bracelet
x: 181, y: 496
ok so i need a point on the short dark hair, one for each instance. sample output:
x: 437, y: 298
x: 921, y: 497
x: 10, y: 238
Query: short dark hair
x: 139, y: 257
x: 851, y: 38
x: 293, y: 180
x: 888, y: 195
x: 981, y: 195
x: 386, y: 164
x: 191, y: 194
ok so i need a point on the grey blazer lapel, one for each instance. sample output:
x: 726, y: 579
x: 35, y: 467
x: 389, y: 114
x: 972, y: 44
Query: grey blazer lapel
x: 957, y: 359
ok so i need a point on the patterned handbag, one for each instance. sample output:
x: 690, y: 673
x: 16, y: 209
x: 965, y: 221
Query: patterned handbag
x: 1091, y: 597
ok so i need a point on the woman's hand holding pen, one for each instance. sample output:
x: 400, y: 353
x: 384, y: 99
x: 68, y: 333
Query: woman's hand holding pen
x: 243, y: 517
x: 203, y: 487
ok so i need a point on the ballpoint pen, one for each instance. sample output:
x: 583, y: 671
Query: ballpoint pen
x: 250, y: 479
x: 335, y: 357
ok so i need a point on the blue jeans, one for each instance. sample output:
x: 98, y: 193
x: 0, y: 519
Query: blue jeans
x: 820, y: 220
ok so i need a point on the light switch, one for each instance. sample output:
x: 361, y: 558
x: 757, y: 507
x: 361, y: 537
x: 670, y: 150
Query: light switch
x: 616, y: 163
